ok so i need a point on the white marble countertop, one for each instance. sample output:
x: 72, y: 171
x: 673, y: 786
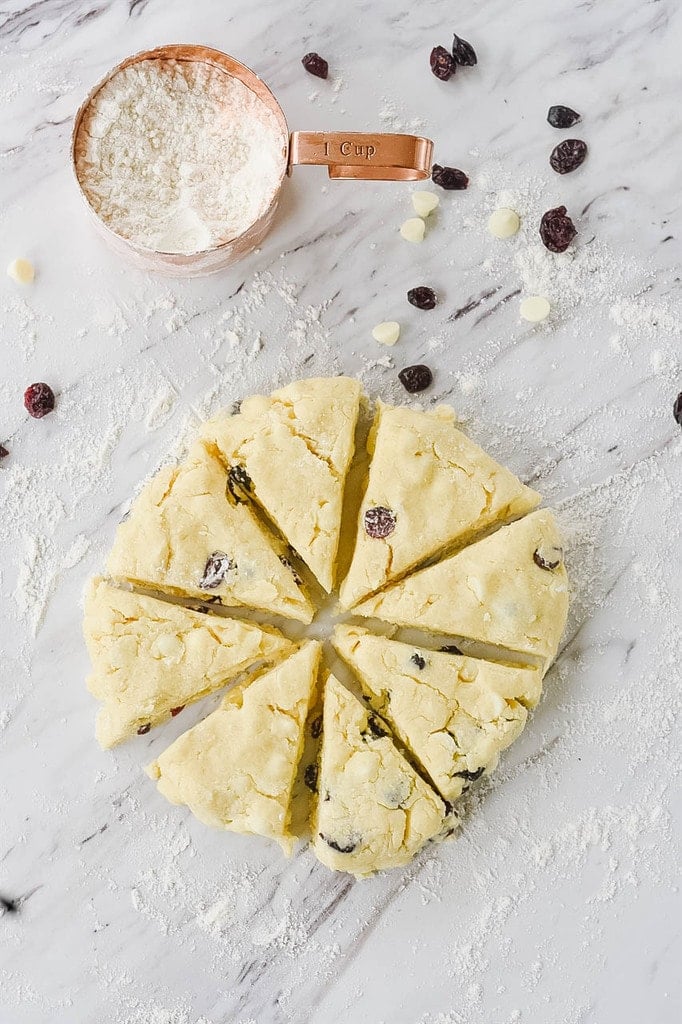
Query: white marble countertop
x: 558, y: 902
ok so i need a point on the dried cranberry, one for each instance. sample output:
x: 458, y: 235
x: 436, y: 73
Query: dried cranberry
x: 450, y: 649
x: 315, y: 65
x: 449, y: 177
x: 310, y: 777
x: 417, y: 660
x: 239, y: 484
x: 549, y: 558
x: 463, y: 53
x: 422, y: 297
x: 8, y: 905
x: 470, y: 776
x: 287, y: 565
x: 216, y: 569
x: 379, y: 522
x: 341, y: 847
x: 677, y: 409
x: 144, y: 729
x: 557, y: 230
x: 442, y: 63
x: 416, y: 378
x: 176, y: 711
x: 316, y: 727
x: 39, y: 400
x: 562, y: 117
x: 376, y: 728
x: 568, y: 155
x: 4, y: 452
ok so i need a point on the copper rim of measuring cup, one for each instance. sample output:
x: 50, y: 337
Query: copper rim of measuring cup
x: 354, y: 155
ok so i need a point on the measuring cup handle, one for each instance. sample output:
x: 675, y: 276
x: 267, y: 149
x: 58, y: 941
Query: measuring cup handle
x: 378, y: 157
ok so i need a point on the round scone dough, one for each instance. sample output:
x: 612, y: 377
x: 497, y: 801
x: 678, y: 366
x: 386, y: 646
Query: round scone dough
x: 151, y: 658
x: 429, y: 487
x: 247, y: 532
x: 373, y: 811
x: 455, y: 714
x: 299, y: 441
x: 236, y: 769
x: 187, y: 534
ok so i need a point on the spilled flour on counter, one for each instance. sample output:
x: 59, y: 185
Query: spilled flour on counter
x: 41, y: 502
x: 268, y: 938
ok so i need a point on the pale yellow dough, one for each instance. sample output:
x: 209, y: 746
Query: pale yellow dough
x: 454, y: 714
x: 296, y: 447
x: 440, y: 487
x: 182, y: 519
x: 492, y: 591
x: 150, y: 657
x: 262, y: 495
x: 236, y: 769
x: 373, y: 811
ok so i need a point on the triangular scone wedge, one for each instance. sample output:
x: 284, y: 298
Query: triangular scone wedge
x: 429, y: 487
x: 291, y: 453
x: 185, y: 535
x: 373, y: 811
x: 151, y: 658
x: 453, y: 713
x: 510, y: 590
x: 236, y: 769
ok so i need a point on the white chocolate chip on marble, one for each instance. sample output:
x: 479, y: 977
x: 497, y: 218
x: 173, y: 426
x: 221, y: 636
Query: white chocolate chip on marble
x: 413, y: 229
x: 534, y: 309
x: 386, y: 333
x: 425, y: 202
x: 22, y: 271
x: 504, y: 223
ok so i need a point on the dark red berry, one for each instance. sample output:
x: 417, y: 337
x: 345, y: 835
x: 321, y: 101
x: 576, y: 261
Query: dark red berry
x: 39, y: 400
x: 316, y: 727
x: 379, y: 522
x: 176, y: 711
x: 216, y: 569
x: 315, y: 65
x: 562, y: 117
x: 449, y: 177
x: 568, y: 155
x: 442, y: 63
x: 463, y: 53
x: 8, y: 905
x: 416, y: 378
x: 422, y: 297
x: 310, y: 777
x: 144, y: 729
x: 557, y: 230
x: 549, y: 558
x: 677, y: 409
x: 4, y: 452
x: 239, y: 484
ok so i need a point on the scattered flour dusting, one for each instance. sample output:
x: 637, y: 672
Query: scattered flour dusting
x: 214, y: 907
x: 41, y: 501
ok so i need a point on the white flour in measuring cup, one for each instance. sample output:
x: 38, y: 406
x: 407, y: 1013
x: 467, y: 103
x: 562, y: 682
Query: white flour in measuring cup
x: 178, y: 156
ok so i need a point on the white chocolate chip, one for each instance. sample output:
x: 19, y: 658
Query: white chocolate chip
x: 504, y: 223
x: 413, y: 229
x: 386, y: 333
x: 168, y: 648
x: 425, y: 202
x: 534, y: 309
x: 21, y: 271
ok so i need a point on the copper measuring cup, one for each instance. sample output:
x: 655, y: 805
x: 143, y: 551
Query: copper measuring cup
x: 373, y: 156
